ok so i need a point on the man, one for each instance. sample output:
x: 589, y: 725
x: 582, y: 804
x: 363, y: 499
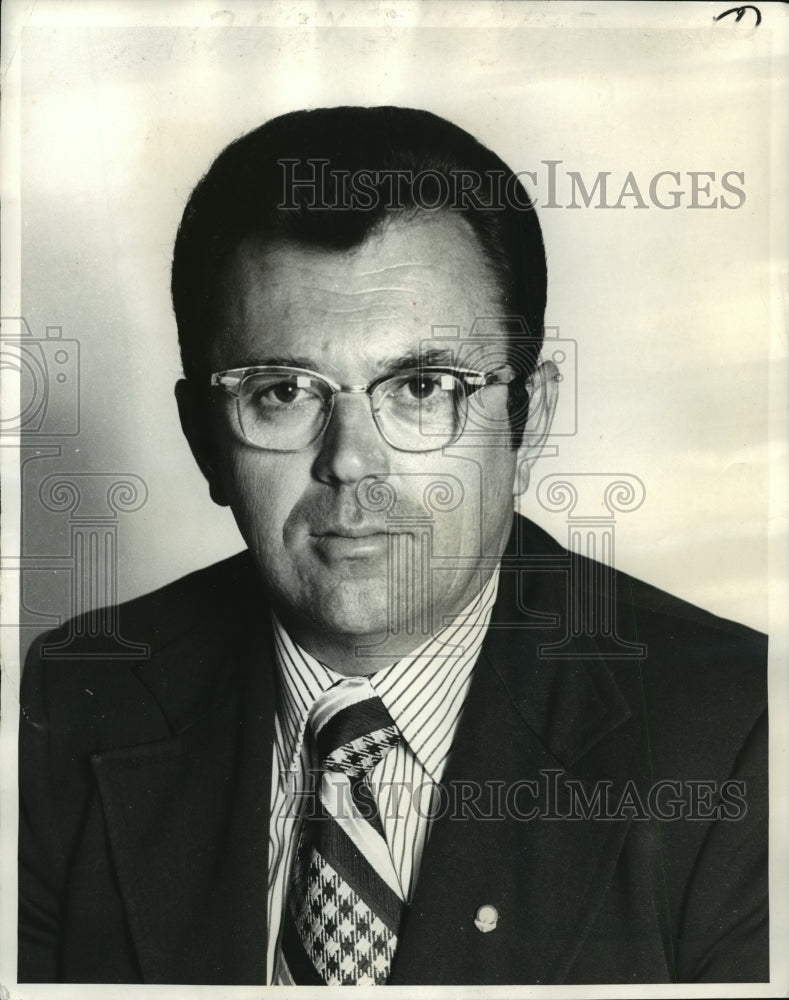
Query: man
x: 382, y: 745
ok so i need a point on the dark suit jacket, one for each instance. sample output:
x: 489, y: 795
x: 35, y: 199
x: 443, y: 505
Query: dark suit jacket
x: 145, y: 789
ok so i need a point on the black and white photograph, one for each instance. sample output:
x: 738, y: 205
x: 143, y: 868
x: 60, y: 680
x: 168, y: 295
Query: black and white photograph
x: 394, y: 548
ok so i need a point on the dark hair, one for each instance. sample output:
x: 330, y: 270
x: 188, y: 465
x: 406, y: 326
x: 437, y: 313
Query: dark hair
x: 330, y: 178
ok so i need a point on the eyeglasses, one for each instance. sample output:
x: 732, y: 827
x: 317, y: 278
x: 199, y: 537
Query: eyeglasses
x: 418, y: 410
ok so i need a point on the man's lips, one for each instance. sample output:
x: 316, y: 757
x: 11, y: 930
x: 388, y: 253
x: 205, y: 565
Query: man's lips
x: 349, y: 531
x: 346, y: 542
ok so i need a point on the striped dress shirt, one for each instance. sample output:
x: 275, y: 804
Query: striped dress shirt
x: 424, y: 693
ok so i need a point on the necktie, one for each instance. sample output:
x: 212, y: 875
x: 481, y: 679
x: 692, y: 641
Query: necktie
x: 345, y: 904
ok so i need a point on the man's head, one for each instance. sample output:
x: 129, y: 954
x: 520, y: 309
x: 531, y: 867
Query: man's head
x: 330, y: 178
x: 328, y: 250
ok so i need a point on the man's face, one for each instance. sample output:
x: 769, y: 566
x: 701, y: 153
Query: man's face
x: 359, y: 543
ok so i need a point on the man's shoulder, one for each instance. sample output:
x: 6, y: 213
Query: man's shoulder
x: 678, y: 646
x: 178, y: 639
x: 637, y: 600
x: 696, y: 664
x: 154, y: 620
x: 648, y: 600
x: 695, y: 681
x: 214, y: 593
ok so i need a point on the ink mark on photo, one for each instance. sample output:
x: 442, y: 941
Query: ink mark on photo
x: 740, y: 12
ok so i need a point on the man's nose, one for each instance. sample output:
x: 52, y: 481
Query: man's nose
x: 351, y: 447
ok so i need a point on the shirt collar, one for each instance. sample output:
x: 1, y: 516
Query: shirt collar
x: 423, y: 691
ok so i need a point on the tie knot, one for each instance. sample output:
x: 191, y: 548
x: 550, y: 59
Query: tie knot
x: 352, y: 728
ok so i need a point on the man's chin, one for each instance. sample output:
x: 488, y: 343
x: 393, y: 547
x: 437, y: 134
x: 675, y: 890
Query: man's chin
x: 356, y: 606
x: 354, y: 614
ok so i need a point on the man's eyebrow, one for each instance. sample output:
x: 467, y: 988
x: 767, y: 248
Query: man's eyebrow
x: 437, y: 357
x: 280, y: 361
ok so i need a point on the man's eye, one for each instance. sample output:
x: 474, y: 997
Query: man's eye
x: 283, y: 392
x: 422, y: 386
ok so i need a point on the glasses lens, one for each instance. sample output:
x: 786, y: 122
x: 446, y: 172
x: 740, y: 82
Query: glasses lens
x: 420, y: 411
x: 282, y: 411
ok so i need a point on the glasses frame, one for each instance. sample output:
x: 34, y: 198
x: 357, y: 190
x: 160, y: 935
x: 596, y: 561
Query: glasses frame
x: 232, y: 379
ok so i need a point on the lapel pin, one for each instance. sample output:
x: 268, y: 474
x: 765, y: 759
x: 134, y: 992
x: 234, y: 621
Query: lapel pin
x: 486, y: 919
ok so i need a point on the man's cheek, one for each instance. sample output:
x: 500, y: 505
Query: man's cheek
x: 260, y: 503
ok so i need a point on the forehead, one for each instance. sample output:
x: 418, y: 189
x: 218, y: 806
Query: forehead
x: 349, y: 312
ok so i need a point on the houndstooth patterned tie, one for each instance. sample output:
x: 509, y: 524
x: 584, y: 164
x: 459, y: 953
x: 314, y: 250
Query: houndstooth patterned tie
x: 345, y: 904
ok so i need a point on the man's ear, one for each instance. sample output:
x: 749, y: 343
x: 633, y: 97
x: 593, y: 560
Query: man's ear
x: 543, y: 396
x: 196, y: 425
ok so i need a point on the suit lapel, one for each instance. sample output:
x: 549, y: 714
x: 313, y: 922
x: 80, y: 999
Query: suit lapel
x: 187, y: 819
x: 526, y: 719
